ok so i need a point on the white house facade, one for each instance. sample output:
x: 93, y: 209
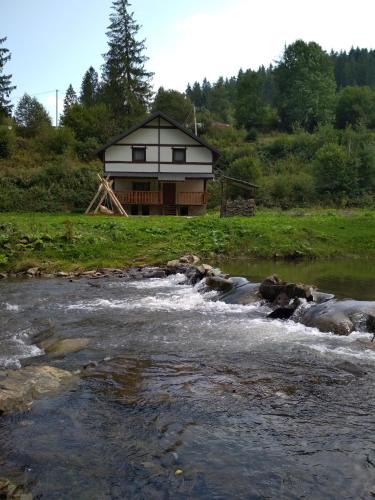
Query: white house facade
x: 160, y: 168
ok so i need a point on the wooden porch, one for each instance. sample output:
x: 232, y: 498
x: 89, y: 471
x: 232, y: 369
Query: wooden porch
x: 126, y: 197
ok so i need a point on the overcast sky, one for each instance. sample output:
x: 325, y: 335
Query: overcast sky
x: 53, y: 42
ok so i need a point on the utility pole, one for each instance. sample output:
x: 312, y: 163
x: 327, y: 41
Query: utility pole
x: 57, y: 108
x: 195, y: 122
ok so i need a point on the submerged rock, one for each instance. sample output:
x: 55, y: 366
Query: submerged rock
x: 12, y: 491
x: 61, y: 348
x: 18, y: 388
x: 234, y: 290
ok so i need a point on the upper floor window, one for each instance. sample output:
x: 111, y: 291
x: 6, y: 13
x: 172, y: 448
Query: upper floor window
x: 179, y: 155
x: 139, y: 154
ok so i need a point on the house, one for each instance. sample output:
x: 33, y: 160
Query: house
x: 159, y: 168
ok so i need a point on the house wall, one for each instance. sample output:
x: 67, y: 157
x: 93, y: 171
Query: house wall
x: 118, y: 157
x: 190, y: 186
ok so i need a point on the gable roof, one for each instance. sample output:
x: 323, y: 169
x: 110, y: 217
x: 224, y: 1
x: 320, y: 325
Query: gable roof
x: 151, y: 117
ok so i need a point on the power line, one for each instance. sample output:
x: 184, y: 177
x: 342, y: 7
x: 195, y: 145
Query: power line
x: 38, y: 93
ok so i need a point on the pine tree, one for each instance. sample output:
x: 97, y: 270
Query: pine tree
x: 126, y: 83
x: 89, y: 88
x: 5, y: 82
x: 70, y: 98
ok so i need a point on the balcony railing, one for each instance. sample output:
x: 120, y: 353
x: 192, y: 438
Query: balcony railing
x: 156, y: 198
x: 140, y: 197
x: 191, y: 198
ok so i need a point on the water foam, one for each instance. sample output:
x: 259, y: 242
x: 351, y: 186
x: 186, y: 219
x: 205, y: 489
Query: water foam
x: 11, y: 307
x: 18, y: 347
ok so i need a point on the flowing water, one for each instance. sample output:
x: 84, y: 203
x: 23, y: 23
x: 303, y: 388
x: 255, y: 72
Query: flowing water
x: 187, y: 398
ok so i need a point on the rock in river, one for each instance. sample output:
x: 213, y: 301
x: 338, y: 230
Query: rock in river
x: 340, y: 317
x: 18, y: 388
x: 60, y: 348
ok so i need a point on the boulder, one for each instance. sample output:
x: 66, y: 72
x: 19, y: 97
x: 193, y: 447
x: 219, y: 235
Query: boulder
x: 341, y: 317
x: 3, y: 275
x: 235, y: 290
x: 189, y: 259
x: 273, y: 286
x: 18, y: 388
x: 320, y: 297
x: 33, y: 271
x: 219, y: 284
x: 105, y: 211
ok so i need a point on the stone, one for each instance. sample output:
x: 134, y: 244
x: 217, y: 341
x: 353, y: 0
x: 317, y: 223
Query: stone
x: 174, y: 263
x: 339, y: 317
x: 105, y: 211
x: 219, y: 284
x: 273, y: 289
x: 205, y: 269
x: 3, y: 275
x: 61, y: 274
x: 189, y: 259
x: 61, y: 348
x: 33, y: 271
x: 320, y: 297
x: 18, y: 388
x: 240, y: 207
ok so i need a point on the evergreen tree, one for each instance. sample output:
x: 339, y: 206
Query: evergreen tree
x: 206, y: 89
x: 126, y: 83
x: 250, y: 106
x: 89, y: 88
x: 31, y: 116
x: 196, y: 96
x: 70, y: 98
x: 5, y: 82
x: 217, y: 101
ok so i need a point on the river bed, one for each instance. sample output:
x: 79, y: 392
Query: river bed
x: 183, y: 397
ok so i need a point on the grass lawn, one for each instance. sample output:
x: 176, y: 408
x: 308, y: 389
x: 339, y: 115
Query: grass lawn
x: 71, y: 241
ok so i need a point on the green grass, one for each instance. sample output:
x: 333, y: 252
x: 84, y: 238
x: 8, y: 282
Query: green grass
x: 70, y: 241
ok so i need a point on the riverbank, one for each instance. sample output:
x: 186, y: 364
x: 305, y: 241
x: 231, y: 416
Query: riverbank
x: 71, y: 242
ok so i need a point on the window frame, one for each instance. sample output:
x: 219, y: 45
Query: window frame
x: 177, y: 149
x: 139, y: 148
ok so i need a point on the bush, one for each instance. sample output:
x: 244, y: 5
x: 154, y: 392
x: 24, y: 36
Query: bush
x: 335, y: 174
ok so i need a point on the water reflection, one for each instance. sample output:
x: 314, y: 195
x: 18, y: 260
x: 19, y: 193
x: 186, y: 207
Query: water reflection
x: 349, y: 278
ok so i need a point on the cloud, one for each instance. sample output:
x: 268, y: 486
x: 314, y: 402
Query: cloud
x: 248, y: 33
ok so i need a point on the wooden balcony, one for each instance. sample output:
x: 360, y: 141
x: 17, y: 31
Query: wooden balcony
x: 139, y: 197
x: 156, y: 198
x: 191, y: 198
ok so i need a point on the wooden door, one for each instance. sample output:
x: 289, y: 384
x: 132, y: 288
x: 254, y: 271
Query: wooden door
x: 169, y: 193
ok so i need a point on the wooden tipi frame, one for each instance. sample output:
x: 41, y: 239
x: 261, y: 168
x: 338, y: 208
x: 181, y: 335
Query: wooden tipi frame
x: 105, y: 193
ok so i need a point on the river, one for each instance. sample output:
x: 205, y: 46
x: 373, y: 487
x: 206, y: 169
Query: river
x: 189, y: 398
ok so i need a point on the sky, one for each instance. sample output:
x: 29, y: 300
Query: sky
x: 53, y: 42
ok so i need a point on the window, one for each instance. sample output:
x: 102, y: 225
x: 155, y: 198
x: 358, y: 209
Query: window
x: 139, y: 154
x: 184, y: 211
x: 179, y: 155
x: 141, y: 186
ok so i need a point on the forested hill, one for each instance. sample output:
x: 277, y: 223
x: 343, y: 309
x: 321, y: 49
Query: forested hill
x: 356, y: 67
